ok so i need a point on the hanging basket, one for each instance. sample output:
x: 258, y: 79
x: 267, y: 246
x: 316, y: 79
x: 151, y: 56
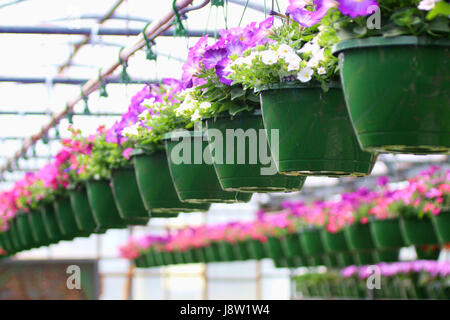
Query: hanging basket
x: 358, y: 237
x: 333, y: 242
x: 441, y: 224
x: 364, y: 257
x: 192, y: 172
x: 212, y: 253
x: 82, y: 210
x: 274, y: 248
x: 237, y: 158
x: 256, y: 250
x: 156, y: 187
x: 103, y: 206
x: 37, y: 226
x: 312, y: 242
x: 386, y: 233
x: 51, y: 223
x: 66, y: 218
x: 127, y: 197
x: 396, y: 91
x: 417, y: 231
x: 226, y: 251
x: 315, y: 133
x: 291, y: 245
x: 430, y: 252
x: 24, y: 230
x: 387, y: 255
x: 241, y: 251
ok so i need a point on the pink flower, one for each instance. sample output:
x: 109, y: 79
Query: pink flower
x: 126, y: 153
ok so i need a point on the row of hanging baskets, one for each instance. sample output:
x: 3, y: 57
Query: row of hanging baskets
x: 423, y: 279
x: 355, y: 245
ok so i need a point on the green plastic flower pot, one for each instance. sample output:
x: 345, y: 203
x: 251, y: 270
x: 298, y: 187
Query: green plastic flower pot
x: 256, y: 250
x: 14, y: 237
x: 103, y: 206
x: 358, y: 237
x: 274, y: 248
x: 24, y: 230
x: 314, y: 261
x: 156, y: 187
x: 66, y: 218
x: 291, y: 245
x: 199, y: 255
x: 226, y: 251
x: 427, y: 252
x: 6, y: 243
x: 241, y: 251
x: 157, y: 255
x: 292, y: 263
x: 150, y: 259
x: 417, y: 231
x: 141, y: 262
x: 164, y: 215
x: 237, y: 159
x: 84, y: 216
x: 188, y: 256
x: 331, y: 260
x: 192, y: 172
x: 345, y: 259
x: 386, y: 255
x: 311, y: 242
x: 178, y: 257
x: 333, y: 242
x: 386, y: 233
x: 404, y: 107
x: 212, y: 253
x: 51, y: 224
x: 315, y: 133
x: 362, y: 258
x: 37, y: 226
x: 168, y: 258
x: 441, y: 224
x: 127, y: 197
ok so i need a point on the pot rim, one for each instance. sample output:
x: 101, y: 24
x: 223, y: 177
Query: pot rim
x: 297, y: 85
x: 176, y: 134
x: 242, y: 114
x: 387, y: 42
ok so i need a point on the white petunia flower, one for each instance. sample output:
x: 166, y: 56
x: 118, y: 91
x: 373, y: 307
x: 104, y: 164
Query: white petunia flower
x: 305, y: 75
x: 284, y: 50
x: 205, y: 105
x: 269, y: 57
x: 427, y: 5
x: 293, y: 61
x: 196, y: 115
x: 144, y: 114
x: 310, y: 47
x: 321, y: 70
x: 131, y: 130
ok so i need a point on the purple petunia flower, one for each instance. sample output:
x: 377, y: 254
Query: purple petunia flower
x: 304, y: 16
x: 354, y: 8
x: 213, y: 56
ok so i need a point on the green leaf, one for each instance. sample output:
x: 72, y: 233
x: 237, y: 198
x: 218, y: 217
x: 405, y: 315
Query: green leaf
x: 237, y: 92
x: 441, y: 8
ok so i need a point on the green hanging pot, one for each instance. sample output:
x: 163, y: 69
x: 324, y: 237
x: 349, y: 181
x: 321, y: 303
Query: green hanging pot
x: 212, y: 253
x: 226, y: 251
x: 441, y: 224
x: 168, y: 258
x: 163, y: 215
x: 103, y: 206
x: 37, y: 226
x: 24, y: 230
x: 291, y: 245
x: 315, y: 133
x: 358, y: 237
x: 404, y: 108
x: 150, y: 258
x: 333, y: 242
x: 127, y: 197
x: 256, y: 250
x: 156, y: 187
x: 417, y: 231
x: 364, y: 257
x: 314, y: 261
x: 66, y: 218
x: 274, y: 248
x: 157, y: 256
x: 199, y: 255
x: 331, y: 260
x: 179, y: 257
x: 140, y: 262
x: 189, y: 256
x: 241, y: 251
x: 242, y: 159
x: 51, y: 223
x: 84, y: 216
x: 192, y: 172
x: 386, y: 233
x: 386, y: 255
x: 6, y: 243
x: 14, y: 236
x: 345, y: 258
x: 428, y: 252
x: 312, y: 242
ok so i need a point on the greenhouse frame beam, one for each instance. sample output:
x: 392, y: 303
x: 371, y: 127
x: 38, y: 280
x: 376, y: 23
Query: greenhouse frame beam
x: 35, y: 80
x: 88, y: 31
x: 154, y: 30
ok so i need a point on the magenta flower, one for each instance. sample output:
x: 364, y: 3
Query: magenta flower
x: 126, y: 153
x: 213, y: 56
x: 354, y: 8
x: 309, y: 15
